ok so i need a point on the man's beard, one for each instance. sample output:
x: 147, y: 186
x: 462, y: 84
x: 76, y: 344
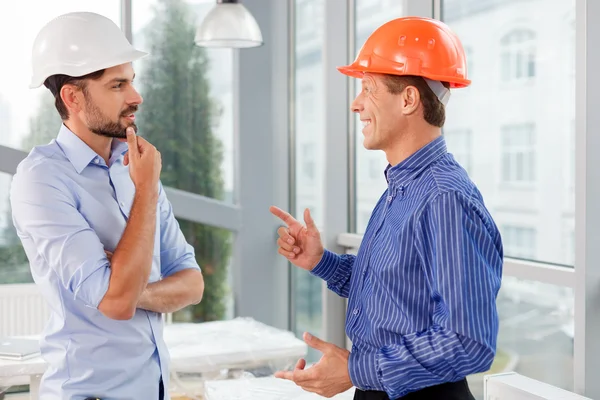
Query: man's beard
x: 101, y: 125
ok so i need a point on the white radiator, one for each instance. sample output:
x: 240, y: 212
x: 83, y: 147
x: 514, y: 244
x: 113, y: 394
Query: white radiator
x: 512, y: 386
x: 22, y: 310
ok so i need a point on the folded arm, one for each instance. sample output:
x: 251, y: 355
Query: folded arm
x: 173, y: 292
x: 182, y: 283
x: 45, y: 211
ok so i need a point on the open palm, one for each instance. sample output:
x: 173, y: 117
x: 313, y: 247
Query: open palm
x: 299, y: 243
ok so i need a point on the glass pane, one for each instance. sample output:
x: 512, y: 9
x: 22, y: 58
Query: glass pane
x: 14, y: 267
x: 309, y: 146
x: 188, y: 97
x: 536, y: 333
x: 213, y: 248
x: 369, y: 187
x: 538, y: 126
x: 27, y: 116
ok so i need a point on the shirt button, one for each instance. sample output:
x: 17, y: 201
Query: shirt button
x: 122, y: 204
x: 96, y: 160
x: 355, y: 312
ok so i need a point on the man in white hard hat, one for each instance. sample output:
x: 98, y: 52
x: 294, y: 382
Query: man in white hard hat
x: 94, y: 220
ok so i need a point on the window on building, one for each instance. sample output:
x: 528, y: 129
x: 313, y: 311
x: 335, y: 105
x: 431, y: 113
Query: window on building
x: 518, y: 55
x: 518, y: 153
x: 459, y: 142
x: 519, y: 242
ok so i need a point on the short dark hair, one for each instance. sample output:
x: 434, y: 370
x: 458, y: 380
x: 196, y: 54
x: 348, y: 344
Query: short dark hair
x: 56, y: 82
x: 434, y: 111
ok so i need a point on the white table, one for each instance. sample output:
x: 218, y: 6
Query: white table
x: 268, y: 388
x: 241, y: 343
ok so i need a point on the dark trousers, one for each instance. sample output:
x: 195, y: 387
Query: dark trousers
x: 446, y: 391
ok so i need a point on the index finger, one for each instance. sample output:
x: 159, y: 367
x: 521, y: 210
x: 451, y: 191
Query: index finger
x: 285, y: 217
x: 132, y: 141
x: 289, y: 375
x: 306, y: 375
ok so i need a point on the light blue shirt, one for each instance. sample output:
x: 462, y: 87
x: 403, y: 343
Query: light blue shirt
x: 68, y: 208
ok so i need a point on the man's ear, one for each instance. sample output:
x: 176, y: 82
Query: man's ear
x: 72, y: 97
x: 410, y: 99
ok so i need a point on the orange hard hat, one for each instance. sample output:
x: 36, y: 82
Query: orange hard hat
x: 413, y: 46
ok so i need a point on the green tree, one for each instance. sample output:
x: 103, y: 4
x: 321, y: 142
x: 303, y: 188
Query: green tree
x: 44, y: 125
x: 178, y: 116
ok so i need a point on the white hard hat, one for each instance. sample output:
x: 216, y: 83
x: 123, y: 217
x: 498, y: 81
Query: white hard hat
x: 78, y: 44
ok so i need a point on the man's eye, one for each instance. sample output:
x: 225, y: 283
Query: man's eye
x: 117, y: 86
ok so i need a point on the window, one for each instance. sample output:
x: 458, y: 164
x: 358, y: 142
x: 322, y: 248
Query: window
x: 27, y: 116
x: 519, y: 242
x: 306, y: 100
x: 309, y: 126
x: 307, y: 14
x: 470, y: 61
x: 365, y: 216
x: 571, y: 46
x: 571, y: 147
x: 518, y: 139
x: 369, y: 16
x: 518, y: 154
x: 14, y: 266
x: 536, y: 333
x: 518, y: 55
x: 459, y: 144
x: 376, y: 169
x: 518, y: 136
x: 308, y: 161
x: 570, y: 253
x: 213, y: 247
x: 188, y: 97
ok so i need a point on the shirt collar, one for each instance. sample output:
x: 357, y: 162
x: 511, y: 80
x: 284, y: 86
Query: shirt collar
x: 404, y: 172
x: 80, y: 154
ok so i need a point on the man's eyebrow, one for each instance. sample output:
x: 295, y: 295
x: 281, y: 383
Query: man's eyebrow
x: 121, y: 80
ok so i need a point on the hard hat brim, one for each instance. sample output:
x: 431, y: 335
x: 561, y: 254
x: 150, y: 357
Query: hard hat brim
x: 358, y: 72
x: 76, y: 71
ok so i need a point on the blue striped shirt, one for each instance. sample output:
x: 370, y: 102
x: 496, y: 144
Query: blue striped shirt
x: 422, y: 288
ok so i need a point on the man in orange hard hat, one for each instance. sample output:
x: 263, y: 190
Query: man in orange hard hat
x: 422, y: 288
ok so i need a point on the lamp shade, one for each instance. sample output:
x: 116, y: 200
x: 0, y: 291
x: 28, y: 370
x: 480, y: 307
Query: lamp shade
x: 229, y: 24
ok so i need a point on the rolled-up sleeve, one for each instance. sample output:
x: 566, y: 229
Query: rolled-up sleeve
x: 45, y: 213
x: 176, y: 254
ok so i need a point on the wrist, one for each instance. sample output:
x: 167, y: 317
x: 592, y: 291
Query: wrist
x: 146, y: 191
x: 317, y: 260
x: 363, y: 369
x: 143, y: 300
x: 327, y: 265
